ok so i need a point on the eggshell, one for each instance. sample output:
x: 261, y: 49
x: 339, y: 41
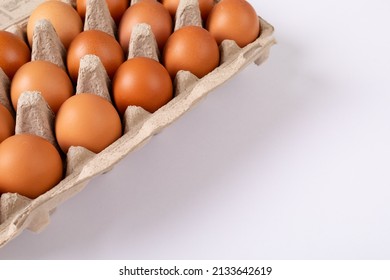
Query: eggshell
x: 64, y: 18
x: 234, y: 20
x: 14, y: 52
x: 191, y: 48
x: 49, y: 79
x: 205, y: 7
x: 142, y: 82
x: 7, y: 123
x: 150, y: 12
x: 98, y: 43
x: 89, y: 121
x: 116, y: 7
x: 29, y: 165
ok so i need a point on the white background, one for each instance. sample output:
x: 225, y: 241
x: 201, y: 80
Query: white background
x: 289, y: 160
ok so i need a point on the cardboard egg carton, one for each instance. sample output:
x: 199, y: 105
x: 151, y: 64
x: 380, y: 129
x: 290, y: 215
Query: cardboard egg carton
x: 33, y: 115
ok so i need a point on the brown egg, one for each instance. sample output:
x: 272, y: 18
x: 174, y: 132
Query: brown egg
x: 150, y: 12
x: 141, y: 82
x: 116, y: 8
x: 64, y: 18
x: 191, y: 48
x: 14, y: 52
x: 235, y: 20
x: 98, y: 43
x: 89, y: 121
x: 7, y: 123
x: 49, y: 79
x: 29, y: 165
x: 205, y: 7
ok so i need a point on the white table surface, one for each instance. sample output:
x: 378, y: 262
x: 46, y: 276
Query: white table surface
x: 289, y: 160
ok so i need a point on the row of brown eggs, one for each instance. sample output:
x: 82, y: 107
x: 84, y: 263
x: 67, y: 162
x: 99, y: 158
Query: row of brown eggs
x: 27, y: 164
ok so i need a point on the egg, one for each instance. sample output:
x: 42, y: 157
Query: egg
x: 29, y: 165
x: 116, y: 8
x: 150, y: 12
x: 234, y: 20
x: 14, y: 52
x: 87, y: 120
x: 64, y: 18
x: 7, y: 123
x: 205, y: 7
x: 191, y: 48
x: 98, y: 43
x: 141, y: 82
x: 49, y: 79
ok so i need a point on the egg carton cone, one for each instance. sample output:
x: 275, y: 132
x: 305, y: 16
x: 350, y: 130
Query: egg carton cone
x: 33, y: 115
x: 47, y: 45
x: 4, y: 91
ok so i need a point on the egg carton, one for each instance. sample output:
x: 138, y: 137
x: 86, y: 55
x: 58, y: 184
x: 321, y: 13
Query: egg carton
x: 34, y: 115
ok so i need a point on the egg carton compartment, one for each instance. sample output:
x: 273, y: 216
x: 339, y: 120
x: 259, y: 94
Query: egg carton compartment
x: 33, y: 114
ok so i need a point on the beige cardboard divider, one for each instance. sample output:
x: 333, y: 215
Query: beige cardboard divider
x: 187, y: 13
x: 47, y: 45
x: 34, y: 116
x: 4, y: 91
x: 93, y: 77
x: 97, y: 17
x: 17, y: 212
x: 143, y: 42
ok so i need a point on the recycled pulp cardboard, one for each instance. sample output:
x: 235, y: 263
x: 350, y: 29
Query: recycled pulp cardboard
x: 17, y: 212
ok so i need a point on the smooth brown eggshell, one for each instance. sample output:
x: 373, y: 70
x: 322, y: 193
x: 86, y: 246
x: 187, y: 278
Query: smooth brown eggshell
x: 150, y: 12
x: 49, y: 79
x: 205, y: 7
x: 116, y: 7
x: 7, y: 123
x: 64, y: 18
x: 89, y: 121
x: 14, y: 52
x: 98, y: 43
x: 141, y: 82
x: 234, y: 20
x: 29, y: 165
x: 191, y: 48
